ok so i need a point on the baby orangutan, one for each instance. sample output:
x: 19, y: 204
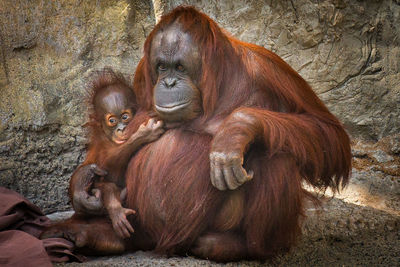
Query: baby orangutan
x: 111, y: 146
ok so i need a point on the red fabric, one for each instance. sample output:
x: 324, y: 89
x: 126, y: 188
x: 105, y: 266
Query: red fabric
x: 18, y: 248
x: 21, y: 223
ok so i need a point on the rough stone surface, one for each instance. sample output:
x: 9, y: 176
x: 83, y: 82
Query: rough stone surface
x: 349, y: 51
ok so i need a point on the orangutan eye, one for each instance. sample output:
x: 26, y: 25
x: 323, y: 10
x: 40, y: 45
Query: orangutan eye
x: 180, y: 68
x: 125, y: 116
x: 162, y: 67
x: 111, y: 121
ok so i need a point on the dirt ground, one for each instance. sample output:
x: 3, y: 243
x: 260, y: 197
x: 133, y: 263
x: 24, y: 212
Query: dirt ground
x: 358, y: 227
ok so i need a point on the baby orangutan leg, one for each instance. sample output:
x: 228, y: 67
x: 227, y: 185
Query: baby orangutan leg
x: 111, y: 198
x: 220, y: 247
x: 94, y: 235
x: 120, y: 223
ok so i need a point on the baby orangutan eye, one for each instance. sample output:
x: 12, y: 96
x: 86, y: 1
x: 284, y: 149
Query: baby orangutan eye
x: 126, y: 116
x: 111, y: 121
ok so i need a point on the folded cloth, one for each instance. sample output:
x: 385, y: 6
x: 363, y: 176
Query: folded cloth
x: 21, y: 223
x: 18, y: 248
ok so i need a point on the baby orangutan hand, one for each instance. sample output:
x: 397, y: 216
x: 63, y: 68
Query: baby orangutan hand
x: 149, y: 131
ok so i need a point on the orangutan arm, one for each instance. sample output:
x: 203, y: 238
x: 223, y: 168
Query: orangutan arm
x: 319, y: 147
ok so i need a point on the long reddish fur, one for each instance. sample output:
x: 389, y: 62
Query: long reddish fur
x: 297, y: 139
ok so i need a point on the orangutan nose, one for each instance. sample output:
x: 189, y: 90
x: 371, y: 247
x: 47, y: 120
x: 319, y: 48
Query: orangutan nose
x: 170, y: 82
x: 120, y: 129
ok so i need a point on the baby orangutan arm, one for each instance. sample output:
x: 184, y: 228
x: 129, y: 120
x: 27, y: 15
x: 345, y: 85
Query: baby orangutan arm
x: 80, y: 184
x: 120, y: 155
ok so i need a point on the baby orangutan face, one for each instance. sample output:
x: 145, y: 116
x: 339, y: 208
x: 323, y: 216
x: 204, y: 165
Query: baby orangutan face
x: 114, y: 106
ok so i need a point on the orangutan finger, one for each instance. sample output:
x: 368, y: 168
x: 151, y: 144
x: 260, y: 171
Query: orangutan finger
x: 158, y: 124
x: 150, y: 123
x: 219, y: 177
x: 123, y: 231
x: 230, y: 179
x: 125, y: 228
x: 129, y: 212
x: 240, y: 173
x: 128, y: 225
x: 212, y: 170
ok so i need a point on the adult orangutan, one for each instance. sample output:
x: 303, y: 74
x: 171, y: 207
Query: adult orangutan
x: 224, y: 182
